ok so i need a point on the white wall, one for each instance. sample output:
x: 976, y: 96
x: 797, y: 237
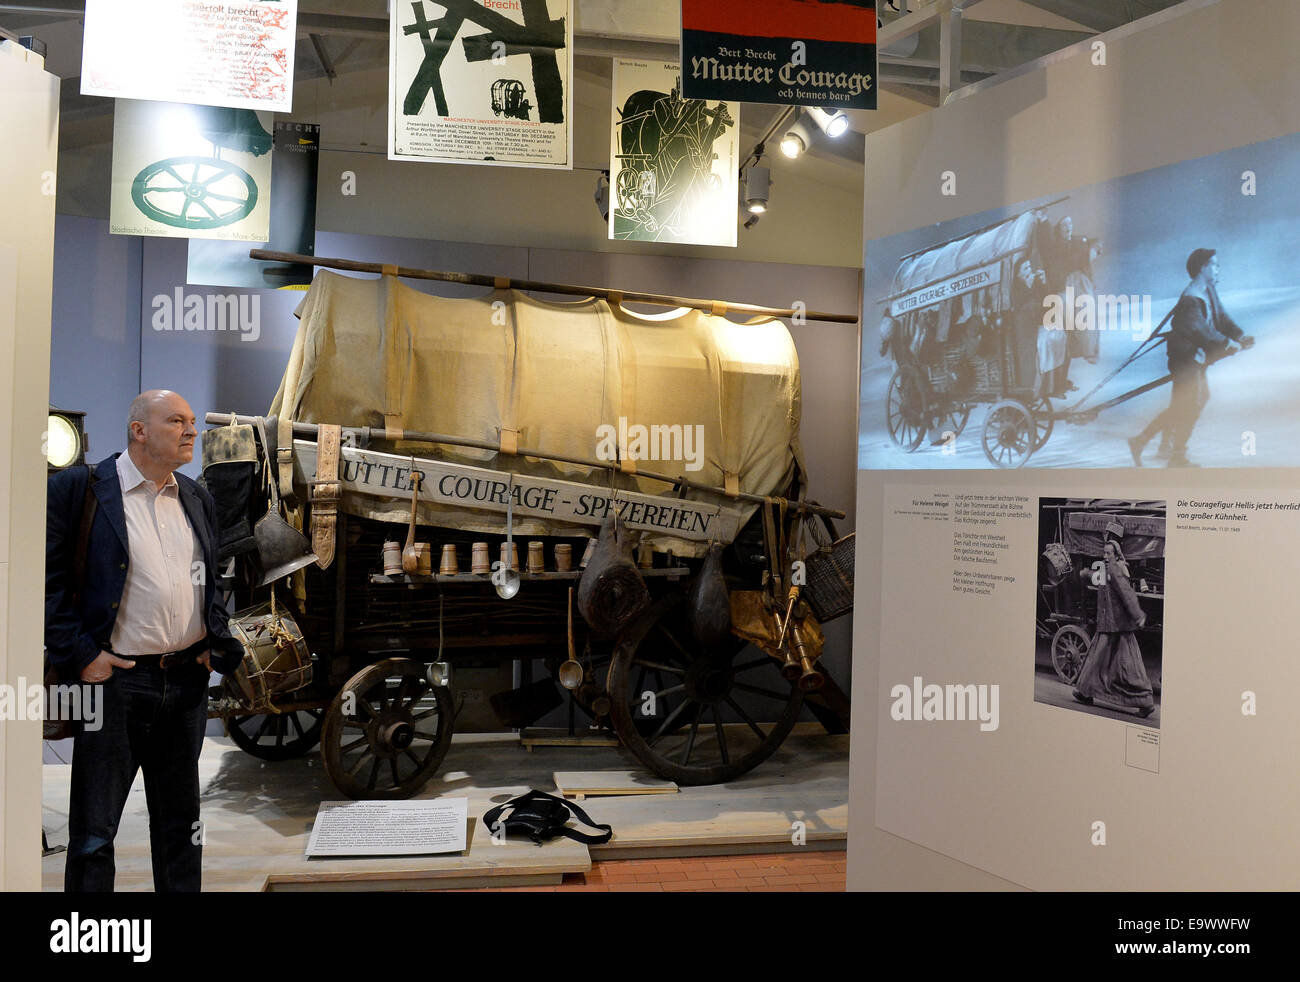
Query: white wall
x: 1213, y: 76
x: 29, y: 120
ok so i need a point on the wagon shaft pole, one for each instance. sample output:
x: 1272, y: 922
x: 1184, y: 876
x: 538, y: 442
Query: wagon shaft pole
x: 366, y: 433
x: 506, y: 283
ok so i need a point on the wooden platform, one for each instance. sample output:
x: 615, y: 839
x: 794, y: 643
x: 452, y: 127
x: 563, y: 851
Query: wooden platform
x: 258, y: 815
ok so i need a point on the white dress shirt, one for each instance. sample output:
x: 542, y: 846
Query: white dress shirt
x: 162, y: 604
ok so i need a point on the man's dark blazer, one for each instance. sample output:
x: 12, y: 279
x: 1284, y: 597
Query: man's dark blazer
x: 75, y: 637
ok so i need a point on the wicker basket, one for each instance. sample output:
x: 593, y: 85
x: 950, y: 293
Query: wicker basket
x: 829, y: 591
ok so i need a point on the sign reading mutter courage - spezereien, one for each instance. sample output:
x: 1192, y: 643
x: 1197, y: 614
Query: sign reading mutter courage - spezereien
x: 819, y: 53
x: 383, y: 475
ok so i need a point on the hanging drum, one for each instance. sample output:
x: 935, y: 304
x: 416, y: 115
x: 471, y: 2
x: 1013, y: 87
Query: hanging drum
x: 276, y: 658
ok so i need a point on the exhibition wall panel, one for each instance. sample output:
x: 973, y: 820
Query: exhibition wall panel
x: 29, y: 119
x: 955, y: 573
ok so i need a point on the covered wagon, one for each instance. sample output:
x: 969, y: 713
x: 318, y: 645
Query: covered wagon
x: 619, y: 495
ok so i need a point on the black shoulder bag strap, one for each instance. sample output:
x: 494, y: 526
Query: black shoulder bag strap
x: 88, y: 507
x: 61, y: 729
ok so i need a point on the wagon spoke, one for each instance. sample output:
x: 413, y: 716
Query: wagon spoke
x: 356, y: 768
x: 690, y: 739
x: 225, y: 197
x: 204, y: 206
x: 722, y: 736
x: 293, y: 718
x: 668, y: 722
x: 195, y: 175
x: 757, y: 690
x: 374, y: 776
x: 432, y: 711
x: 671, y: 691
x: 397, y: 778
x: 676, y: 644
x: 179, y: 180
x: 265, y: 728
x: 745, y: 716
x: 658, y: 666
x: 185, y: 208
x: 359, y: 741
x: 749, y: 665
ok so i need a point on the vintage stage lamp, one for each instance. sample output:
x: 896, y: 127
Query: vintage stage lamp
x: 65, y: 439
x: 833, y: 124
x: 758, y: 183
x: 797, y: 139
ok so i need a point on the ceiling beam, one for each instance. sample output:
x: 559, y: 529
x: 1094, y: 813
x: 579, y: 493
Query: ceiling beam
x: 1102, y: 15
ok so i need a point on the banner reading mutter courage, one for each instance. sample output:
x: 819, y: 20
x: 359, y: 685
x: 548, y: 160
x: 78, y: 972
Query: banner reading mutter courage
x: 817, y: 53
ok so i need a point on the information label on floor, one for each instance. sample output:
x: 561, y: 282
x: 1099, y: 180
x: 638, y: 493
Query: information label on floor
x: 389, y: 828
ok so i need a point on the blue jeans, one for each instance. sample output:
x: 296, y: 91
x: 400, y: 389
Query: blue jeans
x: 152, y: 720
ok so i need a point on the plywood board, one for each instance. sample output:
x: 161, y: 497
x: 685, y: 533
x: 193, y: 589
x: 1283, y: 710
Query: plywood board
x: 581, y: 784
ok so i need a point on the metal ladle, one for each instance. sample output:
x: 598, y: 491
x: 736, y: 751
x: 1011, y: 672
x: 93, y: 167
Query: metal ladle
x: 508, y: 583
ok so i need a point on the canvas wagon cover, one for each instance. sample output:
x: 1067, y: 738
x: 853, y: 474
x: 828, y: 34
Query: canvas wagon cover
x: 954, y: 258
x: 373, y: 351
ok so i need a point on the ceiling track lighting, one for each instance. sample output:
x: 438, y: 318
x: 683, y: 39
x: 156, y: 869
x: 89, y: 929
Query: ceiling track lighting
x: 833, y: 124
x: 758, y: 183
x: 797, y: 139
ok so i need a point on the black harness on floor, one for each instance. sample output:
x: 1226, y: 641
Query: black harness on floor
x: 542, y: 816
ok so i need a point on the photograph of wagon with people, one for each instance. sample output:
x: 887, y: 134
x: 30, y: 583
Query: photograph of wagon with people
x: 1096, y: 328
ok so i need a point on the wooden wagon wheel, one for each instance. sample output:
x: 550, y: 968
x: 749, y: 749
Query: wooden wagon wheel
x: 1009, y: 434
x: 1069, y: 650
x: 386, y: 731
x: 194, y: 192
x: 955, y: 419
x: 1044, y: 421
x: 906, y: 407
x: 692, y: 691
x: 277, y: 736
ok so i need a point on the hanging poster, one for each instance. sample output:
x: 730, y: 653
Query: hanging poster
x: 481, y: 82
x: 201, y: 172
x: 293, y: 222
x: 236, y: 53
x: 674, y: 162
x: 816, y: 53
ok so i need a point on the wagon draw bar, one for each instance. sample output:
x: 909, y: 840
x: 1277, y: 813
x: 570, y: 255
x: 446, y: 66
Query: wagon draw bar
x: 536, y: 286
x: 367, y: 433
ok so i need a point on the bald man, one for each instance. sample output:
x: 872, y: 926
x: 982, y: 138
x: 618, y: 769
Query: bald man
x: 136, y: 612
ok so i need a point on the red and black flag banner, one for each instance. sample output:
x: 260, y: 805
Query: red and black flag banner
x: 786, y: 52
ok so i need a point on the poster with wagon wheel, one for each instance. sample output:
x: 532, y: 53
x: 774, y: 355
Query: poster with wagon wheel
x: 674, y: 162
x: 200, y: 172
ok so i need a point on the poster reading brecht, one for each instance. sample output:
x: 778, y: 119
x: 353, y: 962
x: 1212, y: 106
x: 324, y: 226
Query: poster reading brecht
x: 674, y: 162
x: 234, y: 53
x: 481, y: 82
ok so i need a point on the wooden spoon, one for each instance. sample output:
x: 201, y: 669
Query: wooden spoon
x: 410, y: 562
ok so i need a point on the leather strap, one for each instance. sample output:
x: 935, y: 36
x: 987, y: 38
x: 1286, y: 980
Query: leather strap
x: 284, y: 457
x: 325, y: 493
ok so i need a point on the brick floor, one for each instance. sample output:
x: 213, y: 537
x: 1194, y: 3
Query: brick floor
x: 808, y: 872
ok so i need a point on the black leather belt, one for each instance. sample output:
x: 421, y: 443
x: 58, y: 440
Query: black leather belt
x: 170, y: 659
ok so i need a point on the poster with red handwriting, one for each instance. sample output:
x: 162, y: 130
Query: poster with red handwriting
x: 233, y: 53
x: 481, y: 82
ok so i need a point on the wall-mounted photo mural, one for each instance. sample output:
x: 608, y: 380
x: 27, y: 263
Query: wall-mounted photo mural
x: 1145, y: 321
